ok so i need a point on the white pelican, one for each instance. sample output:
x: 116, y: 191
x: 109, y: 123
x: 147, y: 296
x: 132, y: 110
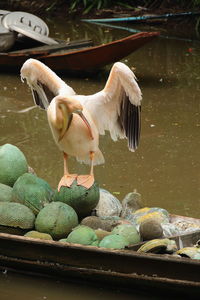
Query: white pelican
x: 76, y: 120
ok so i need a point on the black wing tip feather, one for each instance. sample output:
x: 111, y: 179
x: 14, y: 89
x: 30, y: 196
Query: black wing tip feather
x: 133, y: 143
x: 133, y: 132
x: 47, y: 92
x: 37, y: 99
x: 131, y: 123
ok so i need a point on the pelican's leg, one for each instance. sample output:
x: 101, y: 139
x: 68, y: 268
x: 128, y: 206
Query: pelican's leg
x: 67, y: 178
x: 87, y: 180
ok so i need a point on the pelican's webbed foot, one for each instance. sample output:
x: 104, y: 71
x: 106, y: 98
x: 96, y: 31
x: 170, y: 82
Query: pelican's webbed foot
x: 67, y: 180
x: 85, y: 180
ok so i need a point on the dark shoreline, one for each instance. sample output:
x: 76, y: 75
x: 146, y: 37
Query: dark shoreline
x: 62, y: 9
x: 183, y: 27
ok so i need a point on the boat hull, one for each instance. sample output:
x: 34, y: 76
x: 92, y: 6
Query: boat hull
x: 84, y: 60
x: 97, y: 57
x: 124, y: 269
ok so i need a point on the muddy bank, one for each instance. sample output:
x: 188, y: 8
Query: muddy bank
x: 182, y: 27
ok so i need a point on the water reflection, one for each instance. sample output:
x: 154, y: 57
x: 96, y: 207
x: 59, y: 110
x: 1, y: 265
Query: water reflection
x: 82, y: 30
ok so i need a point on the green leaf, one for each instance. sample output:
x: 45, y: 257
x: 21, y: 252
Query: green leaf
x: 88, y: 9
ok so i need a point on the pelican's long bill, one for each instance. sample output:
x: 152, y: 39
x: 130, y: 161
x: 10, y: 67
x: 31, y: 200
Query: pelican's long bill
x: 64, y: 120
x: 79, y: 112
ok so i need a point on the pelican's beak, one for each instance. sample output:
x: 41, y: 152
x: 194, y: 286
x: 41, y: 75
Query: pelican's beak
x: 63, y: 130
x: 66, y: 120
x: 79, y: 112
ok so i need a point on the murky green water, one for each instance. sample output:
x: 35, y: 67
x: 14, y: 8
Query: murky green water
x: 21, y: 287
x: 166, y: 167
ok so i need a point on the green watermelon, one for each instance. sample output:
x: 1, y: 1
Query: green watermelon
x: 83, y: 200
x: 114, y: 241
x: 5, y: 193
x: 15, y: 215
x: 83, y: 235
x: 57, y: 219
x: 129, y: 232
x: 12, y: 164
x: 32, y: 191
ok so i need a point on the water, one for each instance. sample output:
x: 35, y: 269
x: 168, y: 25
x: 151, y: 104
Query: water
x: 36, y: 288
x: 166, y: 167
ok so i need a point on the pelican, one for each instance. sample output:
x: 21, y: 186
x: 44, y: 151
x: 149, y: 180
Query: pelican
x: 77, y: 120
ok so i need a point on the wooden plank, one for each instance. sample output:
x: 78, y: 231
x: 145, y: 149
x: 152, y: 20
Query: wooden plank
x: 77, y: 256
x: 110, y: 279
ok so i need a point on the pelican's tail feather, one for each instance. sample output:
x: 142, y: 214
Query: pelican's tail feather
x: 98, y: 158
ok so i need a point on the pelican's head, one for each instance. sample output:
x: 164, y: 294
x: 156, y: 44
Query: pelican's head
x: 60, y: 114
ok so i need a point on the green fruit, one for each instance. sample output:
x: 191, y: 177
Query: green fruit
x: 114, y: 241
x: 83, y: 235
x: 32, y: 191
x: 95, y: 243
x: 57, y: 219
x: 16, y: 215
x: 38, y: 235
x: 12, y: 164
x: 129, y: 232
x: 5, y: 193
x: 63, y: 240
x: 81, y: 199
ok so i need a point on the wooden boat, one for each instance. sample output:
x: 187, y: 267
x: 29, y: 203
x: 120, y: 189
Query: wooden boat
x: 115, y: 268
x: 73, y: 60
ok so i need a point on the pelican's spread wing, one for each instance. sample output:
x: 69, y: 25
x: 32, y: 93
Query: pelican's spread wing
x: 117, y: 107
x: 44, y: 83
